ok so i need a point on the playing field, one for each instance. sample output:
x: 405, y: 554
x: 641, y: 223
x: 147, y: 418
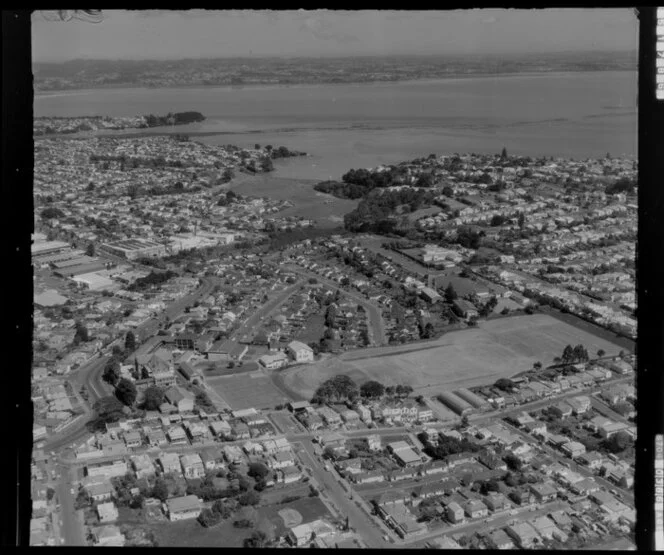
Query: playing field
x: 476, y: 356
x: 248, y: 390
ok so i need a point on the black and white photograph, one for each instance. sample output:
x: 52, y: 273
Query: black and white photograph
x: 335, y: 279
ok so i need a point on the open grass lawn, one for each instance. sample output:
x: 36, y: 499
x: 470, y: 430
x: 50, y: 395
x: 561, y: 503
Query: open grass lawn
x: 312, y: 330
x: 189, y: 533
x: 466, y: 358
x: 252, y: 389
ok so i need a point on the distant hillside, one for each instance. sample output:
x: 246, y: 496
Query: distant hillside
x: 77, y: 74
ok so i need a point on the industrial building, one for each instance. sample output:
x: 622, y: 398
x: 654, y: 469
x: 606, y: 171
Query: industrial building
x: 455, y: 403
x: 471, y: 398
x: 132, y: 249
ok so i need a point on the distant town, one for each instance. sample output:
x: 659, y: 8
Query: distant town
x: 92, y: 74
x: 452, y: 368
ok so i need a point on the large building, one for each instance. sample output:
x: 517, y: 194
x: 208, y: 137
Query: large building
x: 300, y: 352
x: 131, y: 249
x: 471, y: 398
x: 454, y: 402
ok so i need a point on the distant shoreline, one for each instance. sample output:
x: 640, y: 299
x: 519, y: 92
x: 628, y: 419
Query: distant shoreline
x: 448, y: 78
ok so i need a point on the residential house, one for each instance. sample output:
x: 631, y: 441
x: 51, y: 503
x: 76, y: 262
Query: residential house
x: 180, y: 508
x: 523, y: 533
x: 561, y: 410
x: 543, y: 492
x: 496, y: 501
x: 182, y: 399
x: 133, y: 439
x: 300, y: 352
x: 474, y: 508
x: 170, y: 463
x: 143, y: 466
x: 101, y: 492
x: 498, y: 539
x: 369, y: 477
x: 580, y: 404
x: 107, y: 512
x: 573, y: 449
x: 192, y: 466
x: 288, y: 475
x: 109, y: 536
x: 454, y: 512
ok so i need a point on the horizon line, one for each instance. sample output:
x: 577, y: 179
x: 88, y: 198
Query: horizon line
x: 337, y: 56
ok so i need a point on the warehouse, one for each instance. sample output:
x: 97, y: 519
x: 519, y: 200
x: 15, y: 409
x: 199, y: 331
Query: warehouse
x: 80, y: 269
x: 471, y: 398
x: 455, y: 403
x: 48, y: 247
x: 132, y: 249
x: 95, y: 282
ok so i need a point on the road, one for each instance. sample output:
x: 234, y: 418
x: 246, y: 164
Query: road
x: 470, y: 528
x: 72, y: 528
x: 152, y: 326
x: 626, y: 495
x: 90, y: 374
x: 365, y: 525
x: 250, y: 324
x: 375, y: 317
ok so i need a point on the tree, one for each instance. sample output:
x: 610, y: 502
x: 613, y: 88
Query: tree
x: 372, y: 389
x: 125, y: 391
x: 503, y: 154
x: 111, y: 373
x: 522, y: 220
x: 258, y: 470
x: 153, y: 398
x: 130, y: 342
x: 601, y: 353
x: 249, y: 498
x: 209, y: 518
x: 81, y: 333
x: 568, y: 354
x: 90, y: 250
x: 258, y: 539
x: 537, y: 365
x: 448, y: 191
x: 618, y: 442
x: 513, y: 462
x: 403, y: 390
x: 450, y: 293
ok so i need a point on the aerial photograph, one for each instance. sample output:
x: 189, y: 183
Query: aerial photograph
x: 334, y: 279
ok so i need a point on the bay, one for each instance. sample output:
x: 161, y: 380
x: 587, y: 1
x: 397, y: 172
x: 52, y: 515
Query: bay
x: 575, y: 115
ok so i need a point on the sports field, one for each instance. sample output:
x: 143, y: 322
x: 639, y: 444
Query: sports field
x: 248, y: 390
x: 476, y: 356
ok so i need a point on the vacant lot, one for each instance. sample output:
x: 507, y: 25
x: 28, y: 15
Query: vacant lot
x: 189, y: 533
x: 253, y: 389
x: 476, y: 356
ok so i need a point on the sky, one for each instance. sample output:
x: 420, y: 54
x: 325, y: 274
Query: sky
x: 162, y: 34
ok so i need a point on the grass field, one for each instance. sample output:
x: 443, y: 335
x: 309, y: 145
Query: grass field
x: 477, y: 356
x: 248, y: 390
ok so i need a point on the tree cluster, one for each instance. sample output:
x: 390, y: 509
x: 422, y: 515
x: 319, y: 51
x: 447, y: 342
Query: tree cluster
x: 446, y: 446
x: 576, y: 354
x: 177, y: 118
x: 337, y: 388
x: 152, y: 279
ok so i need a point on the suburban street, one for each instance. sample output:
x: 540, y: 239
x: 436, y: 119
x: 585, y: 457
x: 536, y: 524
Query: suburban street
x: 363, y: 523
x: 469, y: 528
x: 249, y: 325
x: 72, y: 529
x: 375, y: 318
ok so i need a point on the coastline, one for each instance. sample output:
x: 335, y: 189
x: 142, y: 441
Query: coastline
x: 453, y: 77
